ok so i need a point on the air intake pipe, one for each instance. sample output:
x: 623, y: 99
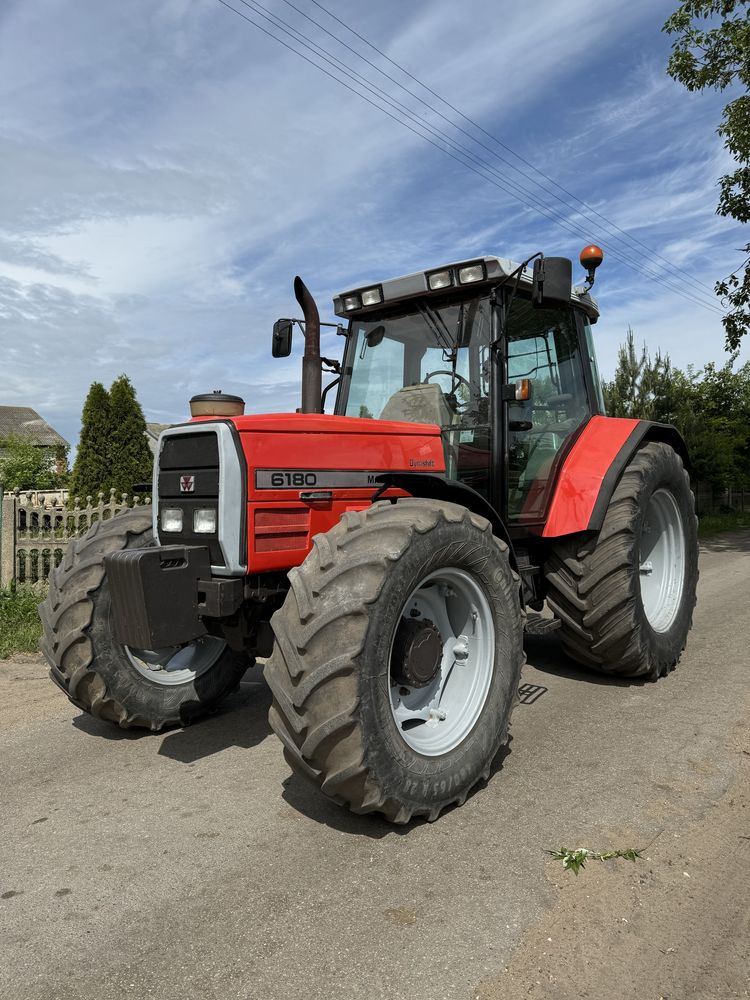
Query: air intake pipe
x: 312, y: 377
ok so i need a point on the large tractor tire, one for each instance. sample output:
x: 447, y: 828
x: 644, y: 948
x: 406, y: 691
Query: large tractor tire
x: 397, y: 658
x: 134, y: 688
x: 626, y: 597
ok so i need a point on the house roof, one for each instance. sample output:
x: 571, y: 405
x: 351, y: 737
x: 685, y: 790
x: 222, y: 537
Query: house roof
x: 22, y: 421
x: 152, y: 435
x: 154, y: 430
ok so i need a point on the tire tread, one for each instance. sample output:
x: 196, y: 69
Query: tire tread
x: 315, y: 698
x: 592, y: 589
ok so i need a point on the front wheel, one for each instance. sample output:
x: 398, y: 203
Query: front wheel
x: 132, y: 687
x: 397, y: 658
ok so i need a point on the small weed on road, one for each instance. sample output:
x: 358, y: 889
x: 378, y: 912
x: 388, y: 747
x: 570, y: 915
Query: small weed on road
x: 574, y: 861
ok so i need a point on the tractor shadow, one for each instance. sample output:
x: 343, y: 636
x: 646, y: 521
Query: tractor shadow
x: 306, y: 799
x: 241, y: 720
x: 545, y: 654
x: 310, y: 802
x: 730, y: 541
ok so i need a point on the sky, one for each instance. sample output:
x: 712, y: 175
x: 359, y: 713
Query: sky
x: 166, y: 169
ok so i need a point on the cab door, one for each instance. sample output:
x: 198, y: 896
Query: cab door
x: 543, y: 346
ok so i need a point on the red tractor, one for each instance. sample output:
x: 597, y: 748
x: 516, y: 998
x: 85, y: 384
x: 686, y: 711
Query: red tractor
x: 387, y: 559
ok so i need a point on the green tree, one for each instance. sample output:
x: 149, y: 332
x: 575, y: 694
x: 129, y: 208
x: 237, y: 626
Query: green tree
x: 131, y: 458
x: 715, y: 421
x: 641, y: 386
x: 92, y: 470
x: 26, y: 465
x: 712, y: 50
x: 709, y: 406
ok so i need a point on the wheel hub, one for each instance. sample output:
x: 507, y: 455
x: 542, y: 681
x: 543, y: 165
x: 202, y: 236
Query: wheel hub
x: 417, y: 652
x: 174, y: 665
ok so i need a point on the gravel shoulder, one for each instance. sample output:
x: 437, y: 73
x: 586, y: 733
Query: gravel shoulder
x: 675, y: 924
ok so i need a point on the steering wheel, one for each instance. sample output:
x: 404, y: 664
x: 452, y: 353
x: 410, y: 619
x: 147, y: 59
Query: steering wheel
x: 456, y: 380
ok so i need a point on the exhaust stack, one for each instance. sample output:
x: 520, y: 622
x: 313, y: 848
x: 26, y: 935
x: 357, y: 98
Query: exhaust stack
x: 312, y: 377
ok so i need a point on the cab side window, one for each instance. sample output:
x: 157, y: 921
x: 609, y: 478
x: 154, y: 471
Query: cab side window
x: 543, y: 347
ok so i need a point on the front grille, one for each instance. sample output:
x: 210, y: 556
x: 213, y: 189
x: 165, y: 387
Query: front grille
x: 191, y: 460
x: 200, y: 450
x: 202, y: 466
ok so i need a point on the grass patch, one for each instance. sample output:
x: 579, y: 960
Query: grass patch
x: 20, y: 628
x: 714, y: 524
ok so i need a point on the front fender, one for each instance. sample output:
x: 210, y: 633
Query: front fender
x: 420, y: 484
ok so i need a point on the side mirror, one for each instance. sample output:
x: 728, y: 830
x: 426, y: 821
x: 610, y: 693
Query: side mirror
x: 375, y: 336
x: 552, y: 281
x: 281, y: 344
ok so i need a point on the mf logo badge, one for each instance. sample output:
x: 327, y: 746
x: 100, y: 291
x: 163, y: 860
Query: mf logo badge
x: 187, y: 484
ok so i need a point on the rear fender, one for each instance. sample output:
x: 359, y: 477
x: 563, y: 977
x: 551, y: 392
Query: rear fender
x: 420, y: 484
x: 592, y: 469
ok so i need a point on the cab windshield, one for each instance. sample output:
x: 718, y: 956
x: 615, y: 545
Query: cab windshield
x: 446, y: 346
x: 429, y: 362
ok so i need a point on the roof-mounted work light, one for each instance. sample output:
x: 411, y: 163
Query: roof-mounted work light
x: 440, y: 279
x: 372, y: 296
x: 472, y: 272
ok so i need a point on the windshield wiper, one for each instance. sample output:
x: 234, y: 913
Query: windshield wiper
x: 437, y: 324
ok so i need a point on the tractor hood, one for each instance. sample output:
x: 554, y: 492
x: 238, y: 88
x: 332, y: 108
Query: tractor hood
x: 278, y: 479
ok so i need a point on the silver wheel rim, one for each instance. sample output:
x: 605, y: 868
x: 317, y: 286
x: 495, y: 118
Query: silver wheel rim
x: 434, y: 719
x: 662, y: 560
x: 177, y: 664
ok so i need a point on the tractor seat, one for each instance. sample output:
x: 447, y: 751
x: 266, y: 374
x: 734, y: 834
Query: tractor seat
x: 424, y: 403
x: 419, y: 404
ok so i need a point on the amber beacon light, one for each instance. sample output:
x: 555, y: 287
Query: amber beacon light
x: 590, y: 258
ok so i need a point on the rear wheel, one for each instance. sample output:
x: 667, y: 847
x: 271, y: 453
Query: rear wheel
x: 626, y: 597
x: 397, y: 658
x: 132, y: 687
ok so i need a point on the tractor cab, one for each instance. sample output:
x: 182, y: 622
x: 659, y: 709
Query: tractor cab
x: 500, y: 359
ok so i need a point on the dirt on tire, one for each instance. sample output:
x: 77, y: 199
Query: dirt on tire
x: 329, y: 672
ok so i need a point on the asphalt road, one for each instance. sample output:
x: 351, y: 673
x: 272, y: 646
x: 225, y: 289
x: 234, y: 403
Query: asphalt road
x: 191, y: 865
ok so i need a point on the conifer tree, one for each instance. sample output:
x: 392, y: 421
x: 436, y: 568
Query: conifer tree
x: 641, y: 387
x: 92, y: 470
x: 131, y: 460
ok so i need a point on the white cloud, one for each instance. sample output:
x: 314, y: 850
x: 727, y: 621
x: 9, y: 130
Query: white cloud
x: 166, y: 169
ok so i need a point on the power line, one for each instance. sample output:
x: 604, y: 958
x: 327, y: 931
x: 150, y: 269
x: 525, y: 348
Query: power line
x: 462, y: 156
x: 509, y: 186
x: 672, y: 269
x: 612, y: 225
